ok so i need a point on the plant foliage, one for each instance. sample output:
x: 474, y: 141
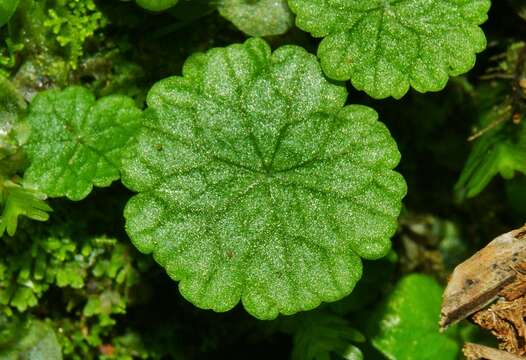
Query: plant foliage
x: 156, y: 5
x: 16, y: 199
x: 500, y: 142
x: 28, y: 339
x: 73, y: 23
x: 385, y: 47
x: 77, y: 142
x: 255, y: 183
x: 320, y: 336
x: 407, y: 327
x: 224, y: 171
x: 7, y: 8
x: 258, y: 18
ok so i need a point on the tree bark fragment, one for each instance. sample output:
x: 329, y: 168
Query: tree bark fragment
x: 480, y: 352
x: 479, y: 280
x: 490, y: 288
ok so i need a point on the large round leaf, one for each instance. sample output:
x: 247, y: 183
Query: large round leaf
x: 256, y: 183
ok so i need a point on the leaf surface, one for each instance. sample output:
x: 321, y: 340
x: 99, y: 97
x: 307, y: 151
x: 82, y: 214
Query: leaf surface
x: 258, y: 17
x: 77, y: 142
x: 7, y: 9
x: 322, y: 336
x: 156, y: 5
x: 256, y: 183
x: 386, y: 46
x: 499, y: 151
x: 19, y: 201
x: 407, y: 322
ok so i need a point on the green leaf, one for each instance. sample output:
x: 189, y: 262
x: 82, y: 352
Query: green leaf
x: 320, y: 336
x: 386, y: 46
x: 77, y: 142
x: 156, y: 5
x: 258, y: 17
x: 28, y: 340
x: 23, y: 298
x: 496, y: 152
x: 71, y: 274
x: 408, y: 322
x: 499, y: 145
x: 377, y: 275
x: 20, y: 201
x: 256, y: 183
x: 73, y: 22
x: 7, y: 9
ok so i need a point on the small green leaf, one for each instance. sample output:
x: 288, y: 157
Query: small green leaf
x: 7, y: 9
x: 71, y: 274
x: 408, y: 322
x: 76, y: 142
x: 320, y: 336
x: 256, y: 183
x: 23, y: 298
x: 386, y: 46
x: 73, y: 22
x: 258, y: 17
x: 29, y: 340
x: 20, y: 201
x: 156, y: 5
x: 498, y: 151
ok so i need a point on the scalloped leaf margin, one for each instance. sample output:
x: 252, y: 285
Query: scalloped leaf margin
x: 257, y: 184
x: 77, y: 142
x: 387, y: 46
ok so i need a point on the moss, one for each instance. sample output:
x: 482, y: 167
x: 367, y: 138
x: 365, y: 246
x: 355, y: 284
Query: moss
x: 73, y: 22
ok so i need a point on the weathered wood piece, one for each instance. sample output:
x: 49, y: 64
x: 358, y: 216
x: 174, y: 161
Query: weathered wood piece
x: 491, y: 272
x: 480, y: 352
x: 505, y: 320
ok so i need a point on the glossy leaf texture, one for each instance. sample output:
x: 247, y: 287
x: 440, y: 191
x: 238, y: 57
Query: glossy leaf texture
x: 258, y: 17
x: 405, y: 326
x: 257, y: 184
x: 77, y: 142
x: 387, y: 46
x: 7, y: 9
